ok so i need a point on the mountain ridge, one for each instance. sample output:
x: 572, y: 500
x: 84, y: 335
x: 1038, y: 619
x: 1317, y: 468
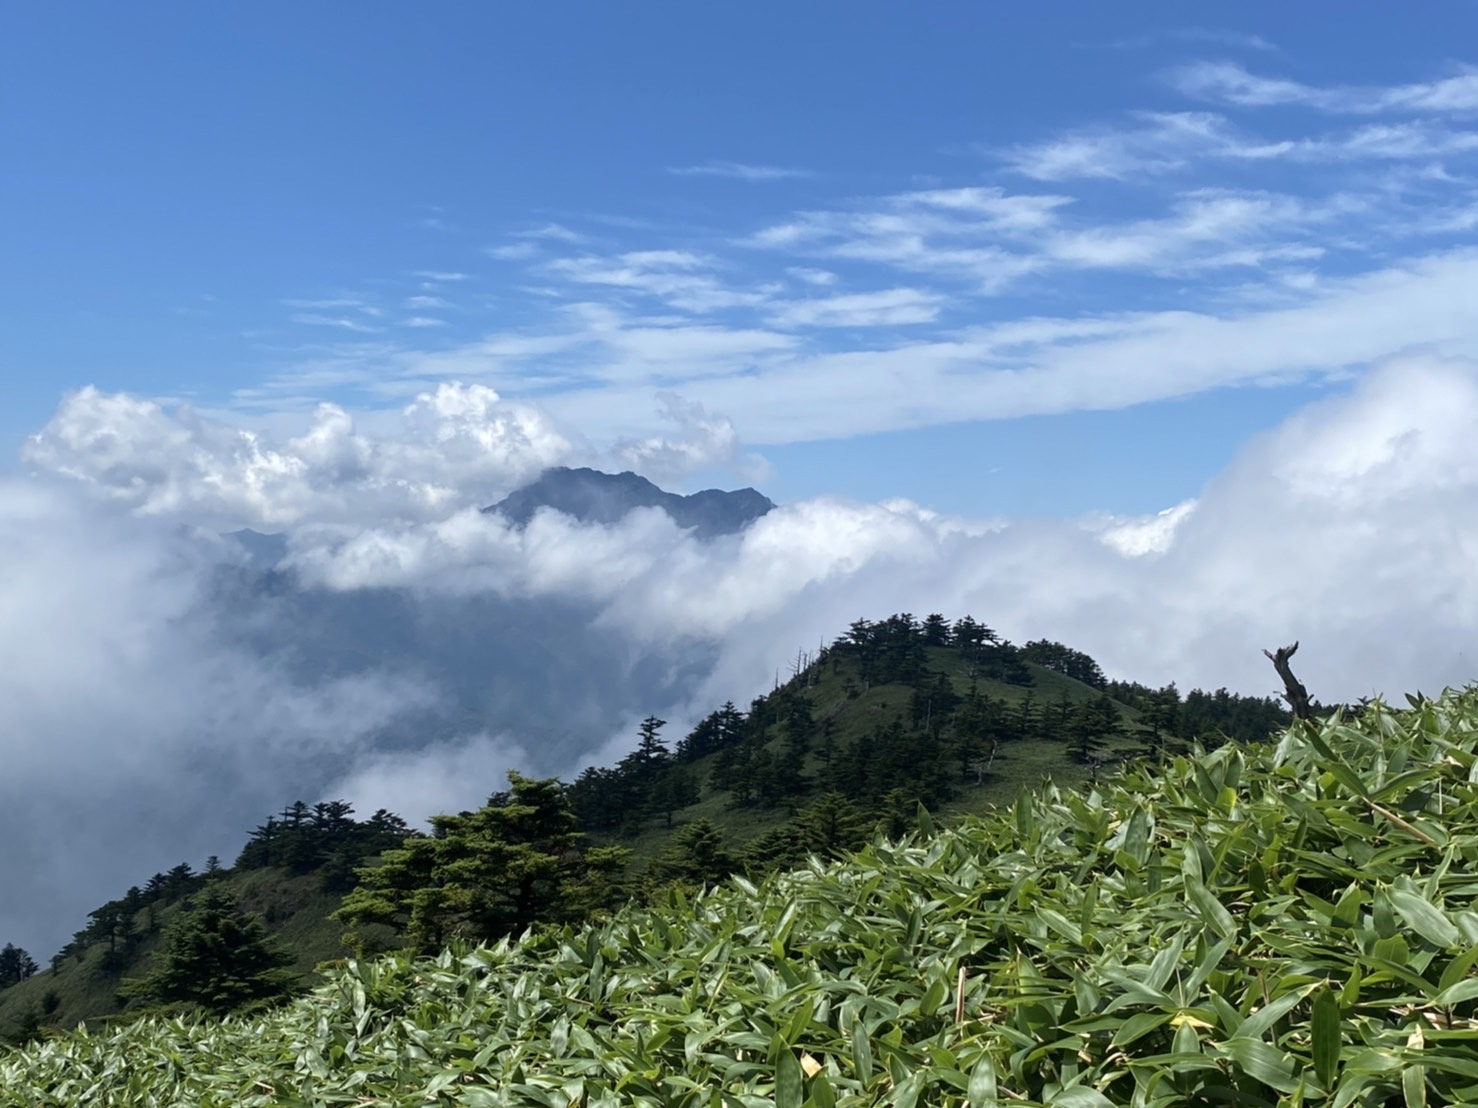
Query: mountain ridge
x: 594, y: 496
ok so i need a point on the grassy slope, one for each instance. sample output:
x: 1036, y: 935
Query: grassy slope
x: 1266, y: 926
x: 297, y: 914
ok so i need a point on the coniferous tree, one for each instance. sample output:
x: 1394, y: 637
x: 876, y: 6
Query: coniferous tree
x: 674, y: 790
x: 936, y: 630
x: 1026, y: 721
x: 830, y: 827
x: 1065, y: 660
x: 514, y: 862
x: 826, y: 747
x: 696, y: 856
x: 215, y: 956
x: 1095, y: 723
x: 721, y: 729
x: 15, y: 966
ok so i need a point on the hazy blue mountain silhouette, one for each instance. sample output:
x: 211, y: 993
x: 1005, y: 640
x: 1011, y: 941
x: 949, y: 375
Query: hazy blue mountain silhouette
x: 595, y: 497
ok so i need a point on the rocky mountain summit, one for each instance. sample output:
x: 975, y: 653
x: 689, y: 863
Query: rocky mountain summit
x: 595, y: 497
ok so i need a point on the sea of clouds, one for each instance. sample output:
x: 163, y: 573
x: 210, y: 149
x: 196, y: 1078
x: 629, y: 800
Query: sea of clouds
x: 162, y: 696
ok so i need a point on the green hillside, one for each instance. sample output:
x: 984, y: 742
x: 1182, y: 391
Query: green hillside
x: 1281, y: 923
x: 84, y: 986
x: 892, y: 715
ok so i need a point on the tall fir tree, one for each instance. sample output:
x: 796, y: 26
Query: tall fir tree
x: 216, y: 956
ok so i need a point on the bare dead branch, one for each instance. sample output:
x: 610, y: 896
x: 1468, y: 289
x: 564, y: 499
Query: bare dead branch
x: 1296, y: 695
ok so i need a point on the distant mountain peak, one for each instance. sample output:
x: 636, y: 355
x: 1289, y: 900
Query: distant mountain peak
x: 592, y: 496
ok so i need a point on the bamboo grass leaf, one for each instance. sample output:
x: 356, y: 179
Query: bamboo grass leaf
x: 1326, y: 1036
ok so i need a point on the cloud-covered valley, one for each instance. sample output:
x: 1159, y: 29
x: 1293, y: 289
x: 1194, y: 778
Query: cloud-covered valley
x: 166, y: 688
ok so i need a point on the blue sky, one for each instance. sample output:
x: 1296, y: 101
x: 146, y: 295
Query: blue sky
x: 1019, y: 259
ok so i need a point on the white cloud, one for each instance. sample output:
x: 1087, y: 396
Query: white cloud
x: 811, y: 275
x: 704, y: 442
x: 995, y: 240
x: 885, y: 308
x: 1348, y: 527
x: 1166, y: 142
x: 314, y: 319
x: 137, y: 732
x: 680, y: 278
x: 554, y: 232
x: 423, y: 321
x: 739, y: 171
x: 1046, y: 366
x: 332, y: 302
x: 1152, y: 534
x: 423, y: 302
x: 456, y: 445
x: 514, y: 251
x: 1159, y: 142
x: 1232, y: 83
x: 1351, y: 528
x: 449, y: 775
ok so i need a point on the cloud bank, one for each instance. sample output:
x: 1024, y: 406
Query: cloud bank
x: 162, y: 699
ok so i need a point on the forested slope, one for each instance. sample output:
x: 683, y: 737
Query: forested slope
x: 893, y: 714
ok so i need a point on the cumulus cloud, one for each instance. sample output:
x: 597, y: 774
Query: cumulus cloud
x: 455, y: 445
x: 419, y: 655
x: 1317, y: 531
x: 452, y: 776
x: 1282, y: 542
x: 1146, y: 535
x: 703, y: 442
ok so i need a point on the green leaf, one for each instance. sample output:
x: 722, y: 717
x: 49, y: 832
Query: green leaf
x: 1138, y: 1026
x: 861, y: 1052
x: 1414, y: 1086
x: 1458, y: 968
x: 982, y: 1090
x: 1325, y: 1033
x: 789, y: 1081
x: 1260, y: 1022
x: 1262, y: 1062
x: 1424, y: 918
x: 926, y: 822
x: 1210, y: 909
x: 1456, y: 994
x: 1137, y: 835
x: 1080, y: 1096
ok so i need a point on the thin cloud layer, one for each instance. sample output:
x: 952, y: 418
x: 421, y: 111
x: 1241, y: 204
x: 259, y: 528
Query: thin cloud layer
x: 1233, y: 83
x: 1219, y: 242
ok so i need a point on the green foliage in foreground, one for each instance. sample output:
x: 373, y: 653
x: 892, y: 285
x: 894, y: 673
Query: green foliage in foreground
x: 1279, y: 925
